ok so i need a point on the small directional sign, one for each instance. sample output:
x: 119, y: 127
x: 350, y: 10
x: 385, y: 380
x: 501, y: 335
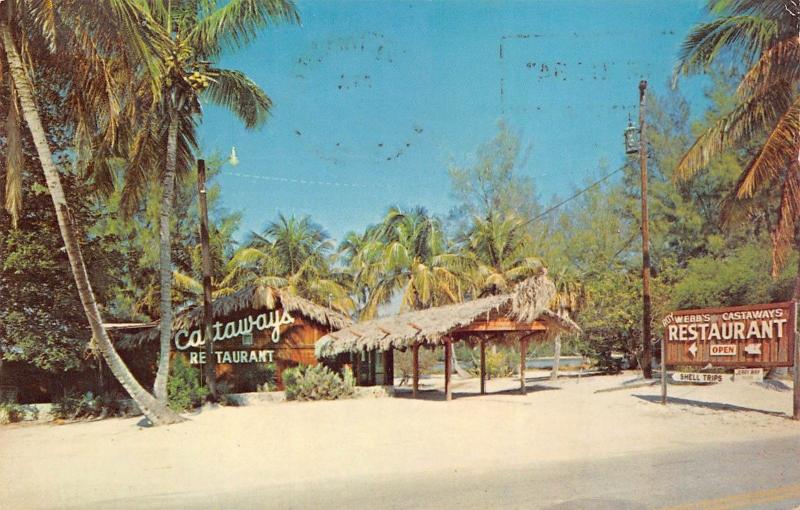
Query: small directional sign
x: 693, y: 349
x: 696, y: 377
x: 748, y: 374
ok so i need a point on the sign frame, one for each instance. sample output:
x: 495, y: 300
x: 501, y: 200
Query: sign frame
x: 754, y: 361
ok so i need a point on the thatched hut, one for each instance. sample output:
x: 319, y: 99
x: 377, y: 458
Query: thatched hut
x: 519, y: 317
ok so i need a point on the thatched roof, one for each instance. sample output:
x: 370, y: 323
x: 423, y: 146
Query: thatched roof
x: 527, y: 303
x: 251, y: 297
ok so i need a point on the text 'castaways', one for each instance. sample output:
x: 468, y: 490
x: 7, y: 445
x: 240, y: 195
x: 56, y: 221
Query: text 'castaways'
x: 272, y: 320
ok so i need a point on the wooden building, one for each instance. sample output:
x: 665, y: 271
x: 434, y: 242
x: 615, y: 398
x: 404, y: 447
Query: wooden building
x: 517, y: 318
x: 252, y: 328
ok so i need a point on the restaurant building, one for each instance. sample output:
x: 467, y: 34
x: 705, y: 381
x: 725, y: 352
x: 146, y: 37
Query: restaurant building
x: 253, y: 330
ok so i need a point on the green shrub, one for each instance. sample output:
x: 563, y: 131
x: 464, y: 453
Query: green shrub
x: 183, y: 388
x: 316, y: 383
x: 85, y: 405
x: 499, y: 364
x: 11, y: 412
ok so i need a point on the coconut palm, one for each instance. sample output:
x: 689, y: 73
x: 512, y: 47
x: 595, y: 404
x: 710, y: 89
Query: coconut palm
x: 353, y: 252
x: 294, y: 254
x: 198, y: 32
x: 502, y: 249
x: 84, y: 40
x: 764, y: 34
x: 408, y: 254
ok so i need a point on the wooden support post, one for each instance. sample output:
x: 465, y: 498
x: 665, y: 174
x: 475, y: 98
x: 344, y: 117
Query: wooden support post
x: 448, y: 367
x: 483, y: 366
x: 415, y: 363
x: 796, y: 370
x: 523, y: 351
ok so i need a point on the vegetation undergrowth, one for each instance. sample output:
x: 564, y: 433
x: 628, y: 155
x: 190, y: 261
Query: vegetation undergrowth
x: 183, y: 389
x: 317, y: 382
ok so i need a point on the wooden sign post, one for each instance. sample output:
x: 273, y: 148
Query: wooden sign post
x: 796, y: 371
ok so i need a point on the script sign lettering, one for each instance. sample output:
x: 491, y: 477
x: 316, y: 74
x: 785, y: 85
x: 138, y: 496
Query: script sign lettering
x: 272, y: 320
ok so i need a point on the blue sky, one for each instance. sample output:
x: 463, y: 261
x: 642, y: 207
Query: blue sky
x: 375, y: 100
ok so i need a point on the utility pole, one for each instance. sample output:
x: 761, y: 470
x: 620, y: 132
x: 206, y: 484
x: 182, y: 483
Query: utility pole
x: 210, y: 367
x: 647, y: 356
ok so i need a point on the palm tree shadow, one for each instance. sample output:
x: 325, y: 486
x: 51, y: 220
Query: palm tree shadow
x: 714, y: 406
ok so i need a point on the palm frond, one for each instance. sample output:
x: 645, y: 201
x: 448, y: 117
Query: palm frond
x: 250, y: 256
x: 237, y: 23
x: 779, y: 63
x: 751, y: 34
x: 44, y: 12
x: 773, y: 157
x: 767, y: 8
x: 751, y: 117
x: 788, y: 213
x: 277, y: 282
x: 135, y: 24
x: 186, y: 283
x: 238, y: 93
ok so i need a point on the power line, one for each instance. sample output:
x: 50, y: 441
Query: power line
x: 304, y: 181
x: 576, y: 195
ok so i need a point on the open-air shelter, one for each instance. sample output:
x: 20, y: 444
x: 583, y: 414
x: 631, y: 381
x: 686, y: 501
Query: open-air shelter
x: 518, y: 317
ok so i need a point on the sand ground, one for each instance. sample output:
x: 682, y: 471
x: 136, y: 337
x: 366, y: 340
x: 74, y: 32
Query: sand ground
x: 296, y: 443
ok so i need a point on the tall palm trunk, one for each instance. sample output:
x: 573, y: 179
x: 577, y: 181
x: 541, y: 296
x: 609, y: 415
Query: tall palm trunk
x: 165, y: 260
x: 154, y: 410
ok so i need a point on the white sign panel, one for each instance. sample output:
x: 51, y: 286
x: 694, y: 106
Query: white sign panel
x: 723, y: 349
x: 748, y: 374
x: 696, y: 377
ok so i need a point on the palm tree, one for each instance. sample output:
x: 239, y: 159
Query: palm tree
x: 294, y: 254
x: 502, y: 248
x: 198, y: 32
x: 764, y: 33
x: 83, y: 39
x: 408, y: 254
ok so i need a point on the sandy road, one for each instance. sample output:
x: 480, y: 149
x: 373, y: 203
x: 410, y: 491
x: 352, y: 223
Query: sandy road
x: 277, y: 453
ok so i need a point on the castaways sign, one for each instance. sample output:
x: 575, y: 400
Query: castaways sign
x: 240, y: 328
x: 741, y: 336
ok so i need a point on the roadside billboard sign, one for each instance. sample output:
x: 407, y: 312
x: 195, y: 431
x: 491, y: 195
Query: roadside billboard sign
x: 755, y: 336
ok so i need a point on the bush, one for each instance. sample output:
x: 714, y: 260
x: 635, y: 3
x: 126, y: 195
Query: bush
x: 86, y: 405
x: 11, y: 412
x: 183, y: 388
x: 316, y: 382
x: 499, y: 364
